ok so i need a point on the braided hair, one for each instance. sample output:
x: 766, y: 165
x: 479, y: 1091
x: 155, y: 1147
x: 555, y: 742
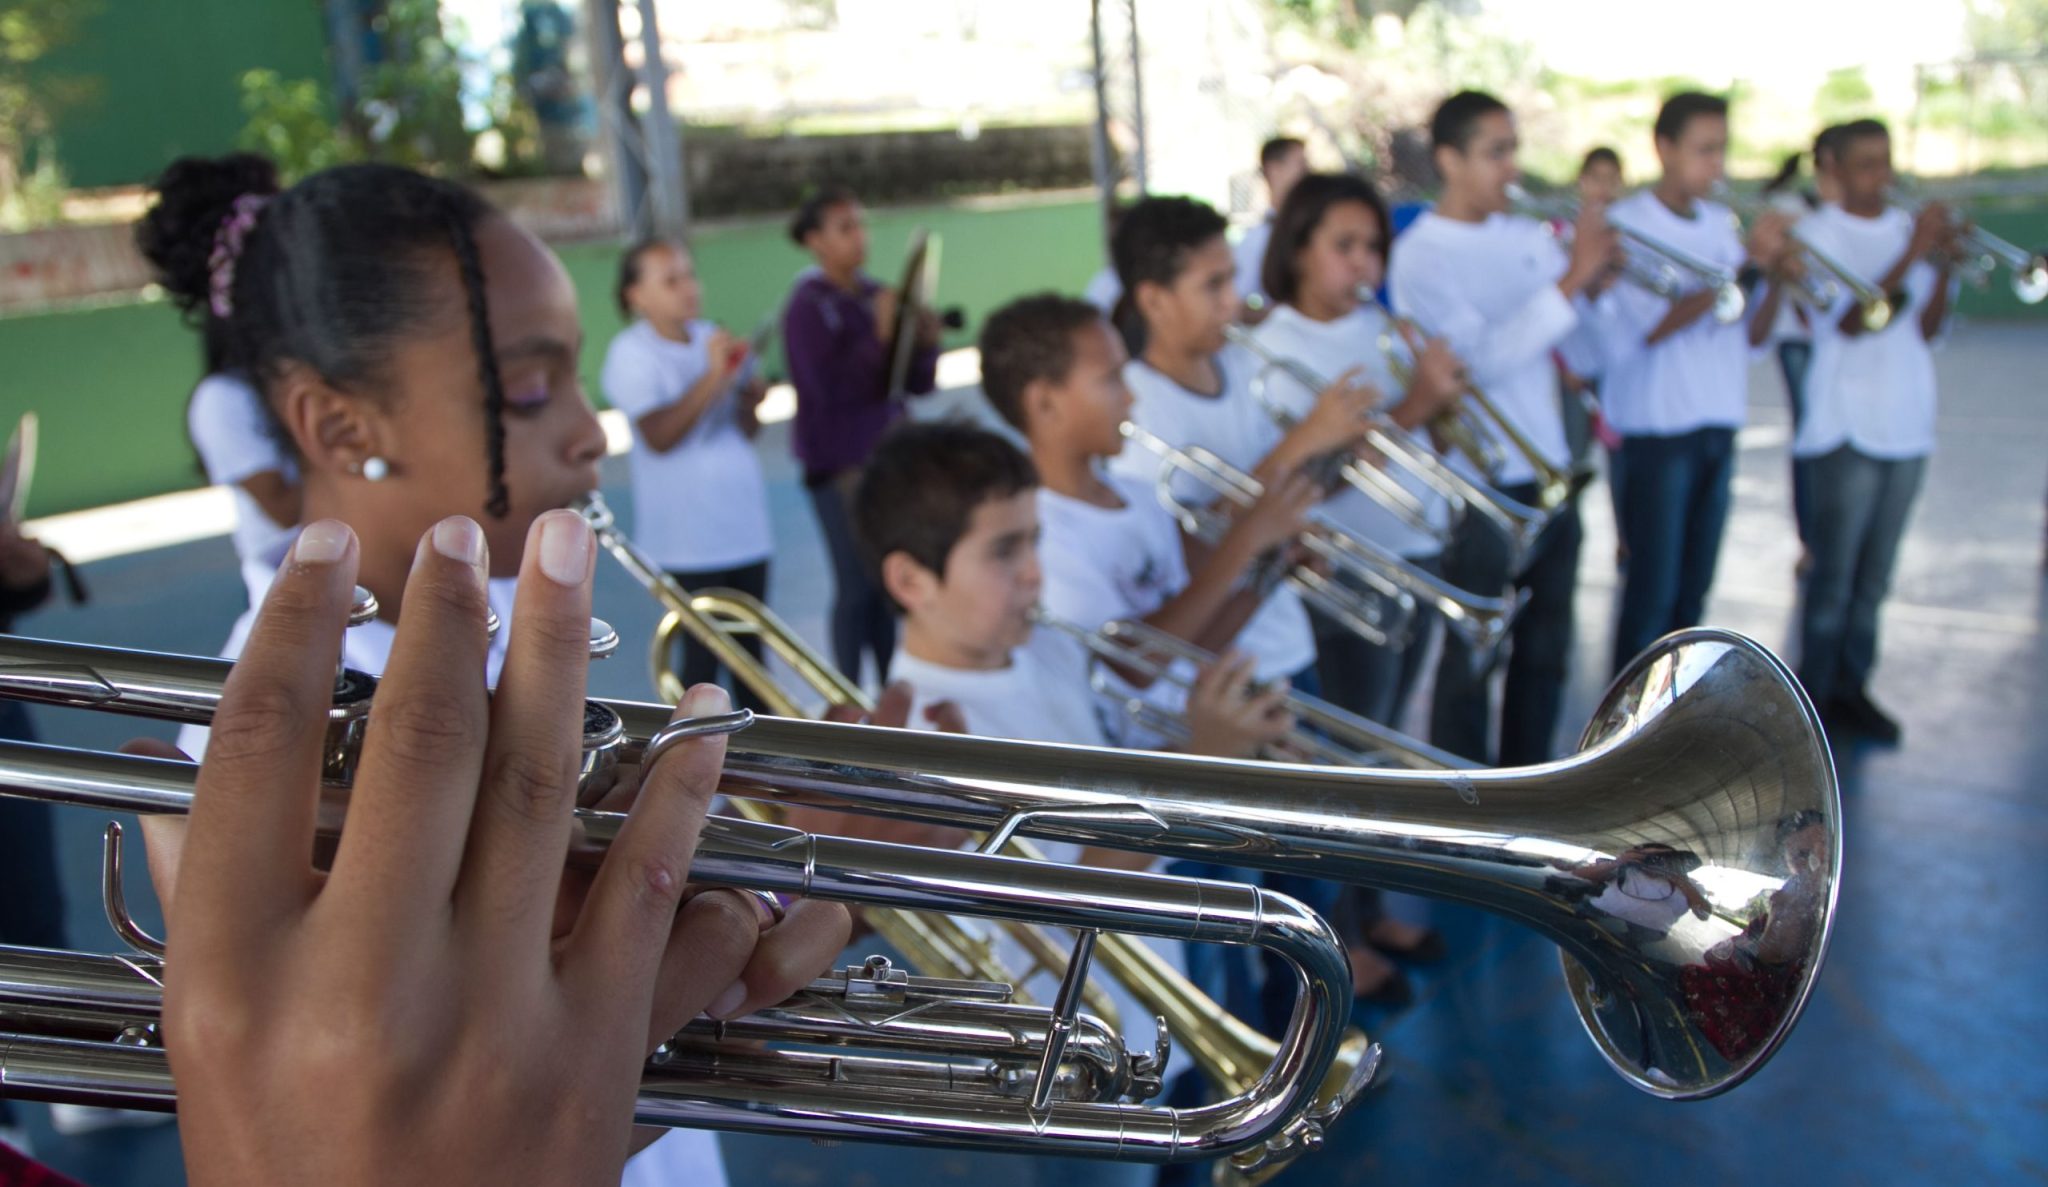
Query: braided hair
x: 335, y: 272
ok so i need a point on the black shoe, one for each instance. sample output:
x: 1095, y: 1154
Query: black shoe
x: 1860, y: 714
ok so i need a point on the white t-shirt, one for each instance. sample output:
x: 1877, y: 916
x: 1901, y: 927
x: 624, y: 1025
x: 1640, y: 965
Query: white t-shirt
x: 1104, y: 564
x: 1490, y: 288
x: 1104, y: 290
x: 1330, y: 349
x: 704, y: 503
x: 679, y: 1156
x: 1043, y: 696
x: 1698, y: 377
x: 1874, y: 392
x: 237, y: 440
x: 1238, y: 430
x: 1250, y: 254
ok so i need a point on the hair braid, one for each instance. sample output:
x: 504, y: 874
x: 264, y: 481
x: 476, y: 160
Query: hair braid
x: 471, y: 265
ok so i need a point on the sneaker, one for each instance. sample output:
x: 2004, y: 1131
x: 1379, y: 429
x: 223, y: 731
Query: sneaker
x: 73, y: 1120
x: 1859, y: 713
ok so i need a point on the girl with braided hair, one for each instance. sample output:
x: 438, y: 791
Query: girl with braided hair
x: 418, y: 352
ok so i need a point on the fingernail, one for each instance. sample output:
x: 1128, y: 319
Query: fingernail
x: 321, y: 542
x: 565, y: 547
x: 725, y: 1003
x: 459, y: 539
x: 706, y: 700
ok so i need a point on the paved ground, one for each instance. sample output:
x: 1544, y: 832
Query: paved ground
x: 1919, y: 1060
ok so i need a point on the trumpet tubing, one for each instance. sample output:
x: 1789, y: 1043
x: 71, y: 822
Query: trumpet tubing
x: 938, y: 942
x: 1704, y: 772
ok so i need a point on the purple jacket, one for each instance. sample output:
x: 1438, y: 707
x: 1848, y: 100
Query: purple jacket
x: 840, y: 371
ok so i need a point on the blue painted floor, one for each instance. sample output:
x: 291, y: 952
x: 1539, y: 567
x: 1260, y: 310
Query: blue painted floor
x: 1921, y: 1057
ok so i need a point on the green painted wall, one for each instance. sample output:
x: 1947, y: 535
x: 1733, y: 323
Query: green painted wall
x: 109, y: 383
x: 168, y: 75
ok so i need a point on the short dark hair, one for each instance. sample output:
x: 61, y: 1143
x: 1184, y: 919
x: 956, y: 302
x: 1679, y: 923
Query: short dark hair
x: 1028, y: 340
x: 1685, y: 107
x: 810, y: 213
x: 1602, y: 155
x: 1457, y: 117
x: 1863, y: 129
x: 1155, y: 237
x: 921, y: 485
x: 630, y: 266
x: 1274, y: 151
x: 1304, y: 210
x: 1827, y: 142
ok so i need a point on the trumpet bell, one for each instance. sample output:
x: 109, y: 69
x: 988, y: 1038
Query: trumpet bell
x: 1706, y: 928
x: 2030, y: 284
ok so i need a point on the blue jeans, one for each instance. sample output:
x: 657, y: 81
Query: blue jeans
x: 1793, y: 360
x: 1674, y: 507
x: 1538, y: 648
x: 863, y: 622
x: 1370, y: 680
x: 1860, y: 508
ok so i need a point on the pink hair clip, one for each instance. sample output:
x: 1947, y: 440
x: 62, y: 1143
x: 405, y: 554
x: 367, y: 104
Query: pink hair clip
x: 227, y: 248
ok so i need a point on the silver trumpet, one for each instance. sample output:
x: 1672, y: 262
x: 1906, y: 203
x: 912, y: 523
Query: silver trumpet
x: 1686, y: 861
x: 1652, y: 264
x: 1326, y: 734
x: 1984, y: 253
x: 1828, y: 278
x: 1482, y: 622
x: 1380, y: 433
x: 1377, y: 608
x: 905, y: 1059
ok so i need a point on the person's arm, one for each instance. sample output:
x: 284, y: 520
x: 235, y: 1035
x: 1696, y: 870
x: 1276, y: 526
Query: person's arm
x: 1212, y: 608
x: 831, y: 369
x: 665, y: 427
x: 277, y: 495
x: 1681, y: 312
x: 1929, y: 229
x: 1763, y: 314
x: 1437, y: 300
x: 1934, y: 313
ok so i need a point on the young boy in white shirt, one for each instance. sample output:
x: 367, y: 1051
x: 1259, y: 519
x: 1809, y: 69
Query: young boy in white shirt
x: 1192, y: 390
x: 700, y: 502
x: 948, y: 515
x: 1505, y: 295
x: 1869, y: 423
x: 1676, y: 380
x: 1053, y: 368
x: 1283, y: 161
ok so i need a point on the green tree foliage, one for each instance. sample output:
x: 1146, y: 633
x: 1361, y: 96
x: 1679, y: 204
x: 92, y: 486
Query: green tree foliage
x: 408, y: 109
x: 30, y: 99
x: 1844, y: 95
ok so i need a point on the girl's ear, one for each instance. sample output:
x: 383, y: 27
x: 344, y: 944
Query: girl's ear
x: 331, y: 430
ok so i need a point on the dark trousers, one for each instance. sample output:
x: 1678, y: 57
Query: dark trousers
x: 1674, y: 506
x: 1860, y: 508
x: 1793, y: 360
x: 1538, y: 647
x: 862, y: 621
x: 1370, y: 680
x: 699, y: 666
x: 31, y: 897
